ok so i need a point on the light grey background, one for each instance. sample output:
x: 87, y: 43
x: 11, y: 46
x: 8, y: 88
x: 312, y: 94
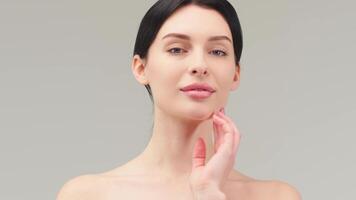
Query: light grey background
x: 69, y: 104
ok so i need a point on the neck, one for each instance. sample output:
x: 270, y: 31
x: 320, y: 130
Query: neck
x: 168, y: 154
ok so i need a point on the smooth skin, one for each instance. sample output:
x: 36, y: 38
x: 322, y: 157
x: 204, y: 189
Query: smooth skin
x: 208, y: 179
x: 112, y: 185
x: 192, y: 151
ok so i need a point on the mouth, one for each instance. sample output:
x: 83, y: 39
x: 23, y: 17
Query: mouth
x: 198, y: 87
x: 198, y: 94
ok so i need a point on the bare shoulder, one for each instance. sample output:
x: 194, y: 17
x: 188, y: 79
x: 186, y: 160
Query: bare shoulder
x: 284, y: 190
x: 241, y: 186
x: 263, y: 189
x: 81, y: 187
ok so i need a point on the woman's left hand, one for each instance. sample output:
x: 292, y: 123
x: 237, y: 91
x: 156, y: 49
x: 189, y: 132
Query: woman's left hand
x: 215, y: 172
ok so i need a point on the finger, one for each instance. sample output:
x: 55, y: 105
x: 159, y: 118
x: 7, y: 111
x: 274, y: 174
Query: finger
x: 237, y: 136
x: 228, y: 143
x: 237, y: 139
x: 226, y: 128
x: 218, y: 134
x: 199, y: 154
x: 215, y: 136
x: 237, y: 132
x: 220, y: 163
x: 225, y: 125
x: 234, y: 139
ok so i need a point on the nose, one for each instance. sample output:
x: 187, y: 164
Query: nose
x: 199, y: 67
x: 200, y: 71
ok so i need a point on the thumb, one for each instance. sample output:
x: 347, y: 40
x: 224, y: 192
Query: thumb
x: 199, y: 152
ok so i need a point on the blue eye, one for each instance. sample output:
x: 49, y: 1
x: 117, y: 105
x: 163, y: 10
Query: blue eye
x: 176, y: 50
x: 219, y: 53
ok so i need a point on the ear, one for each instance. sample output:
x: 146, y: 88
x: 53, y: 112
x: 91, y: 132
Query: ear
x: 138, y: 69
x: 236, y: 80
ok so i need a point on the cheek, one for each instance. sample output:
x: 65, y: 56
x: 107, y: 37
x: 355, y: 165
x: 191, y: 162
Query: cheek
x: 224, y: 76
x: 165, y: 78
x: 163, y: 68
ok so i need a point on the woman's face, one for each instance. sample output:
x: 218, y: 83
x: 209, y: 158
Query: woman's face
x: 176, y: 61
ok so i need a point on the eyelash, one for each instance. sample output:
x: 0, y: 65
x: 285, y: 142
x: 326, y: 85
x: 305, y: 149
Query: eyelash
x: 170, y: 51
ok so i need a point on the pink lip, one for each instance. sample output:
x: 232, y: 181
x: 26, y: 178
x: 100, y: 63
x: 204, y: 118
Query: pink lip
x: 198, y: 86
x: 198, y: 90
x: 198, y: 94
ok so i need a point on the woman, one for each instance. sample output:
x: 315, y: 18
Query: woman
x: 187, y: 55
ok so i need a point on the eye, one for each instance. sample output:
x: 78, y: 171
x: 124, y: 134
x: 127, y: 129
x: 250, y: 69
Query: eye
x: 219, y: 53
x: 175, y: 50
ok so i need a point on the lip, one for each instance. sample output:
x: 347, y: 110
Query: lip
x: 198, y: 90
x: 197, y: 87
x: 198, y: 94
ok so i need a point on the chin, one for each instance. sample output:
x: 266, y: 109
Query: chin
x: 200, y: 115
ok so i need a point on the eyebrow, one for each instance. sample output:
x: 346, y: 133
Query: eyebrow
x: 186, y: 37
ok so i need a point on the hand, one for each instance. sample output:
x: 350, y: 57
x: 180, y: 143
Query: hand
x: 215, y: 172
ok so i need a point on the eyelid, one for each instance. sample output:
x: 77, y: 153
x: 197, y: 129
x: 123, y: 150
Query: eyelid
x: 224, y: 52
x: 183, y: 50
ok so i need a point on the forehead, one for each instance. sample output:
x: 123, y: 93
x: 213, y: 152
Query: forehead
x: 197, y: 22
